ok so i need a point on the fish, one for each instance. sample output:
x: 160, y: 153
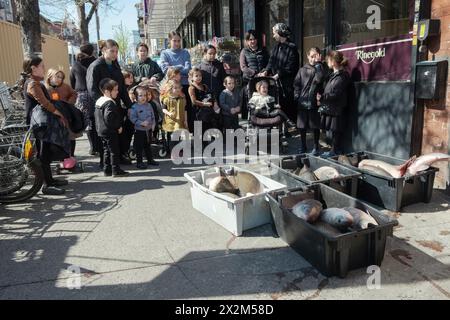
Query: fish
x: 422, y: 163
x: 222, y: 185
x: 326, y: 228
x: 391, y: 170
x: 344, y: 160
x: 305, y: 173
x: 361, y: 219
x: 308, y: 210
x: 376, y: 170
x: 245, y: 182
x: 354, y: 160
x: 338, y: 218
x: 326, y: 173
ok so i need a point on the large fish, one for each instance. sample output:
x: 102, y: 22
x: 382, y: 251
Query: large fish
x: 326, y: 173
x: 306, y: 173
x: 391, y: 170
x: 222, y: 185
x: 344, y: 160
x: 361, y: 219
x: 422, y: 163
x: 308, y: 210
x: 326, y: 228
x: 338, y: 218
x: 246, y: 182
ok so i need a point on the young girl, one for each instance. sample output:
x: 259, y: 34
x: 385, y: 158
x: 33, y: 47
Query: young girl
x: 174, y: 108
x: 143, y: 118
x: 172, y: 74
x: 60, y: 91
x: 213, y: 71
x: 129, y: 79
x: 230, y: 104
x: 108, y: 122
x: 203, y: 100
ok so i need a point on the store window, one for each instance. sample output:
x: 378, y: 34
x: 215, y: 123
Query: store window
x: 314, y: 25
x: 357, y: 26
x: 275, y: 11
x: 209, y: 26
x: 225, y: 23
x: 236, y: 32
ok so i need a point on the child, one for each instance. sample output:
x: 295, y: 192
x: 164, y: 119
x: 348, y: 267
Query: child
x: 202, y: 99
x: 60, y: 91
x: 172, y: 74
x: 230, y: 104
x: 213, y: 72
x: 174, y: 108
x: 129, y: 79
x: 108, y: 122
x: 264, y: 105
x: 131, y: 94
x: 143, y: 118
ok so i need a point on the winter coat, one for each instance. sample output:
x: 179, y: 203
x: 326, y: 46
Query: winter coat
x: 141, y: 113
x: 108, y: 117
x: 229, y: 99
x: 36, y: 93
x: 284, y: 61
x: 253, y: 62
x: 335, y: 96
x: 213, y: 74
x: 261, y: 103
x: 146, y: 69
x: 78, y: 73
x: 98, y: 71
x: 307, y: 83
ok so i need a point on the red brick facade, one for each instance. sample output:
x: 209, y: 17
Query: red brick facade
x: 437, y: 114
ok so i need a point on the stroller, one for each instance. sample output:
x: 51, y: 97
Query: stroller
x: 256, y: 122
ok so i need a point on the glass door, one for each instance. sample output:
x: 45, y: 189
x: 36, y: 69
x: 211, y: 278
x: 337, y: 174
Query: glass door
x: 314, y: 25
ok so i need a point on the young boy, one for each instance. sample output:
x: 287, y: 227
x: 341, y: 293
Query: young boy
x: 108, y: 122
x: 143, y: 118
x: 264, y: 105
x: 230, y: 104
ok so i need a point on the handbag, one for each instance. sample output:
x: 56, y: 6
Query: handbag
x: 328, y: 110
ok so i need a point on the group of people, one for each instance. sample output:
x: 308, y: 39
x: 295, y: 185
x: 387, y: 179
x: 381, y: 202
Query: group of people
x: 118, y: 105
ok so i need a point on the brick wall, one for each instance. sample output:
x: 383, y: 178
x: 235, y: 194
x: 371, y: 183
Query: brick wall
x: 437, y: 113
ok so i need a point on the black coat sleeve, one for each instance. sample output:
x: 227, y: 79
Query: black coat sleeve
x: 93, y: 82
x: 291, y: 67
x: 336, y: 89
x: 298, y: 85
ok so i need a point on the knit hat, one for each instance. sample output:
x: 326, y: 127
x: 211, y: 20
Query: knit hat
x: 283, y: 30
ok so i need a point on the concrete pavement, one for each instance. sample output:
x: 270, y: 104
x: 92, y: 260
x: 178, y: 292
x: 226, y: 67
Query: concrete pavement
x: 139, y: 238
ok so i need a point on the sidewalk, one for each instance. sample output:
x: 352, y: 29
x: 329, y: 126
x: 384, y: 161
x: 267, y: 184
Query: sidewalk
x: 140, y: 238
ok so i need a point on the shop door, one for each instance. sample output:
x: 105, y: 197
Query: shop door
x: 269, y: 13
x: 314, y: 26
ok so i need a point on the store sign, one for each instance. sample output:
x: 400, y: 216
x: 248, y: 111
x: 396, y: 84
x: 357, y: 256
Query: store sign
x: 387, y: 59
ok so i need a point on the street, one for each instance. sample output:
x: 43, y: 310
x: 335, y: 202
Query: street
x: 139, y: 238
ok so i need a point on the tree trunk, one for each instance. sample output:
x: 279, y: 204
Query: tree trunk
x: 29, y: 20
x: 97, y: 23
x: 84, y: 25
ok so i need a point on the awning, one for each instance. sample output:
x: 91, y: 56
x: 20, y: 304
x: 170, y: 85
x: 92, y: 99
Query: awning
x: 164, y: 16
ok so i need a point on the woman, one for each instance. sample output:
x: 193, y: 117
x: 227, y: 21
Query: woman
x: 253, y: 61
x: 36, y: 95
x: 307, y: 84
x: 334, y: 100
x: 84, y: 101
x: 283, y: 66
x: 145, y: 69
x: 105, y: 67
x: 180, y: 59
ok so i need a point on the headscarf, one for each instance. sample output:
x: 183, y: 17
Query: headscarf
x: 283, y: 30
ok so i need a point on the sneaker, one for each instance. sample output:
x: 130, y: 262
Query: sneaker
x: 152, y: 163
x: 58, y: 183
x: 315, y: 152
x: 328, y: 154
x: 52, y: 191
x: 120, y: 173
x: 141, y: 166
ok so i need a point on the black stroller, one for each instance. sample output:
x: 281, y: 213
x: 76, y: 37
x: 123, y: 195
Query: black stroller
x: 257, y: 122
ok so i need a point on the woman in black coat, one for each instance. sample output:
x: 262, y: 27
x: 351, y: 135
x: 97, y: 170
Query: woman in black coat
x: 283, y: 66
x: 104, y: 67
x: 308, y: 83
x: 253, y: 60
x: 84, y: 100
x: 334, y: 100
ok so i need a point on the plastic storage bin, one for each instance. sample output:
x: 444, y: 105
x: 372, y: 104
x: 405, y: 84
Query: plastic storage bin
x: 331, y: 255
x: 392, y: 193
x: 346, y: 183
x: 235, y: 215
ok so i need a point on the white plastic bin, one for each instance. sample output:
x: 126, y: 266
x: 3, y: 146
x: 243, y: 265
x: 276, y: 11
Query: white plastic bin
x: 235, y: 215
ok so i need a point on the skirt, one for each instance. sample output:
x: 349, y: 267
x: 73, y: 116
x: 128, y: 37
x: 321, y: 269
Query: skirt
x: 331, y: 123
x: 308, y: 119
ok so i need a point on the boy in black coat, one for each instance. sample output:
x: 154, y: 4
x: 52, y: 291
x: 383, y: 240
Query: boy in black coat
x: 108, y: 121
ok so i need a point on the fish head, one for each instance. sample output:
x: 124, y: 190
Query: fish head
x: 343, y: 219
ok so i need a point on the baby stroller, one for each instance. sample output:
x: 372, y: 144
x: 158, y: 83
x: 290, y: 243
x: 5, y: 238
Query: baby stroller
x: 256, y: 122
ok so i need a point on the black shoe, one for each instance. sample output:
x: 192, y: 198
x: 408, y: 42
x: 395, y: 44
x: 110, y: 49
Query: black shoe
x: 58, y: 183
x: 53, y: 191
x: 141, y: 166
x: 120, y: 173
x: 92, y: 153
x: 152, y: 163
x: 107, y: 173
x: 125, y: 161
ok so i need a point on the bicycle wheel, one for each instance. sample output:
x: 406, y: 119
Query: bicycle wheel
x: 30, y: 184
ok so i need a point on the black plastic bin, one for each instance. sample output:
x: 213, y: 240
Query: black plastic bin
x: 392, y: 193
x: 346, y: 183
x: 331, y: 255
